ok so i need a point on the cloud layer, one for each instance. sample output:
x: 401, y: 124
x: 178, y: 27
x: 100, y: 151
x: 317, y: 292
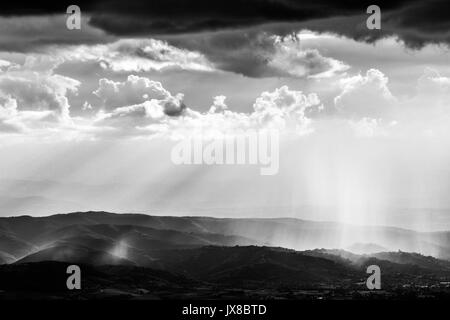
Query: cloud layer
x: 35, y: 99
x: 416, y: 22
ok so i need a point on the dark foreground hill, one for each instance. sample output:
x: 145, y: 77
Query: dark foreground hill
x: 225, y: 273
x: 148, y: 257
x: 47, y: 280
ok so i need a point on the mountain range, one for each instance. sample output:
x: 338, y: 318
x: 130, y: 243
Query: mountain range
x: 126, y: 254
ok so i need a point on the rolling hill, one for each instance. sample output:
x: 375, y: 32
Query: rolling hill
x: 283, y: 232
x: 131, y: 255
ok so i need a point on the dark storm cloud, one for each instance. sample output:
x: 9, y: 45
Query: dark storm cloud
x: 416, y: 22
x: 203, y: 12
x: 180, y: 16
x: 422, y: 22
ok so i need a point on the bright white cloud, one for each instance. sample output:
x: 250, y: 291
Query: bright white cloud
x: 135, y: 55
x: 432, y: 84
x: 138, y: 93
x: 372, y: 110
x: 4, y: 64
x: 133, y: 90
x: 8, y: 113
x: 428, y: 110
x: 218, y: 104
x: 31, y: 95
x: 293, y: 60
x: 365, y: 96
x: 282, y: 109
x: 34, y: 97
x: 268, y: 55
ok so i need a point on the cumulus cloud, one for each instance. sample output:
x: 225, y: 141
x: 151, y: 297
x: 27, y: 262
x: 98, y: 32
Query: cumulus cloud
x: 32, y: 90
x: 126, y: 120
x: 284, y: 108
x: 135, y: 90
x: 135, y: 55
x: 290, y: 59
x: 428, y: 110
x: 253, y: 54
x: 218, y: 104
x: 13, y: 120
x: 142, y: 106
x: 370, y: 108
x: 135, y: 116
x: 31, y: 94
x: 259, y: 54
x: 8, y: 113
x: 365, y: 96
x: 431, y: 83
x: 4, y: 64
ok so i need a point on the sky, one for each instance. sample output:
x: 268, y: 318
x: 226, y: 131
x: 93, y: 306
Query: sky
x: 88, y: 117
